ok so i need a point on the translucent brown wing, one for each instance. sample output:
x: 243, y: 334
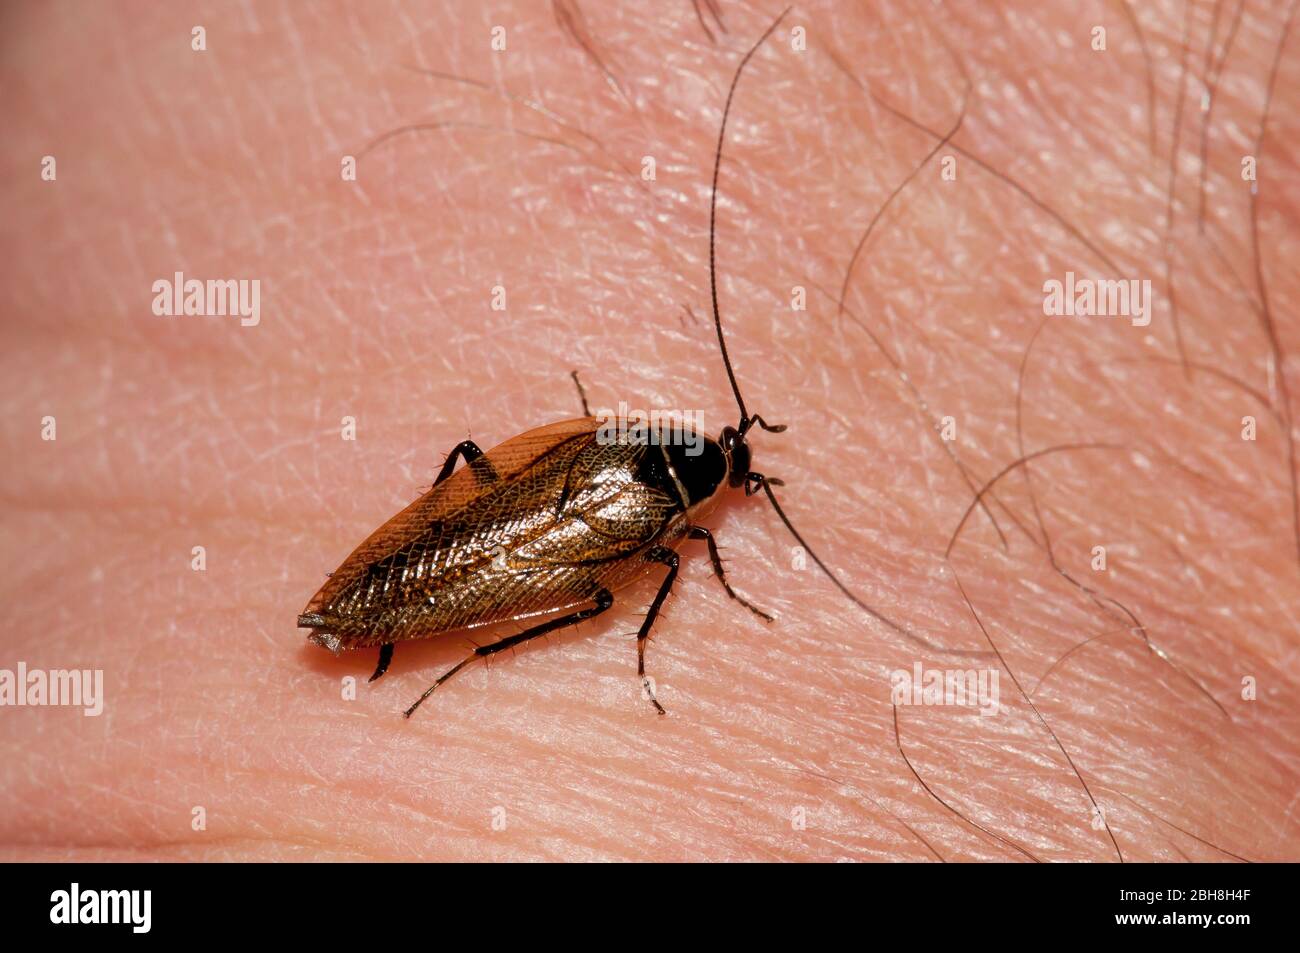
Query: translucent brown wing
x: 559, y: 516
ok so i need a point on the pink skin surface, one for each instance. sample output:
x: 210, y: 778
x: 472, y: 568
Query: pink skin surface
x: 177, y: 432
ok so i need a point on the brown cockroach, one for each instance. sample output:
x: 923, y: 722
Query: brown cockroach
x: 550, y: 523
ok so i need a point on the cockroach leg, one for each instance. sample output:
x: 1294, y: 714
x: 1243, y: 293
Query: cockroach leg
x: 582, y: 394
x: 658, y: 554
x: 470, y: 452
x: 699, y: 532
x: 603, y: 599
x: 385, y: 659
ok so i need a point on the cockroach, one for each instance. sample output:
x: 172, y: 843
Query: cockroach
x: 550, y: 523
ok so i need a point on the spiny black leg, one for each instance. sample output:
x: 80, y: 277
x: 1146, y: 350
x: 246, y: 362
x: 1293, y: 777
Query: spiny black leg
x: 582, y: 394
x: 699, y: 532
x: 659, y: 554
x: 385, y: 657
x: 603, y: 600
x: 472, y: 455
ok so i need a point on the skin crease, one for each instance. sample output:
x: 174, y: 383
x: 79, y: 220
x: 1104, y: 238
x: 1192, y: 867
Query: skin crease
x: 779, y: 743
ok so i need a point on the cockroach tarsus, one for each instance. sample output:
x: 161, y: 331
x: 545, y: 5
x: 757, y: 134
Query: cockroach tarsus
x: 552, y: 521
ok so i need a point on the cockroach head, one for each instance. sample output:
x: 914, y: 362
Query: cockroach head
x: 736, y: 448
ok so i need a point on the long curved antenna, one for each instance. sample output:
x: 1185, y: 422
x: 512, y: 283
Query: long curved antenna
x: 766, y: 484
x: 756, y: 481
x: 713, y: 218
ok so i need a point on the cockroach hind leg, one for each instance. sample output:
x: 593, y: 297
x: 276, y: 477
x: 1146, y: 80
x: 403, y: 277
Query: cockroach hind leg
x: 648, y: 687
x: 434, y: 687
x: 603, y: 599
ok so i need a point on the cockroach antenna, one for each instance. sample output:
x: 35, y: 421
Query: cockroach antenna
x: 746, y: 421
x: 733, y: 439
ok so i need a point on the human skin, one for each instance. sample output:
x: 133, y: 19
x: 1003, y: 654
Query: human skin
x: 780, y: 743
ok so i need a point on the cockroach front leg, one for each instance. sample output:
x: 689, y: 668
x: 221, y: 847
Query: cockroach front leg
x: 699, y: 532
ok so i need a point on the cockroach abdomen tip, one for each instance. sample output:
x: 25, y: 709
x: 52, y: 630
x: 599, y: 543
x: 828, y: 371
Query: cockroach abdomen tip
x: 326, y: 640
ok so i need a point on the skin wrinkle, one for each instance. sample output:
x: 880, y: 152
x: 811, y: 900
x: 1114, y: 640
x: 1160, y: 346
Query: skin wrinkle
x: 373, y: 323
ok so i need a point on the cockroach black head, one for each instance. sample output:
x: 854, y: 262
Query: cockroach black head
x: 736, y: 448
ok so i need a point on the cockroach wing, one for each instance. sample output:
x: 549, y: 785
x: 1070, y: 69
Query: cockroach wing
x: 538, y: 524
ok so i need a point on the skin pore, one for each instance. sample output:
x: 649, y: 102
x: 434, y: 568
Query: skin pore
x: 1122, y: 730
